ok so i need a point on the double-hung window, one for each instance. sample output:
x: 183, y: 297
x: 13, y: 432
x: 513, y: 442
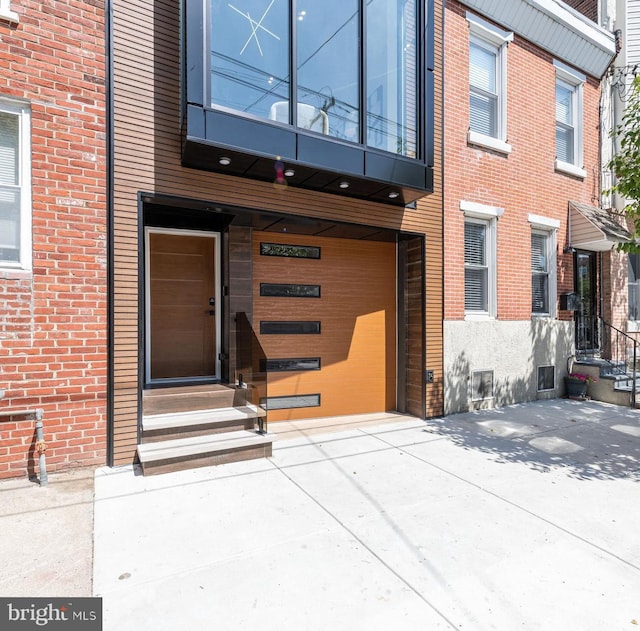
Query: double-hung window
x: 569, y: 120
x: 487, y: 84
x: 15, y: 185
x: 543, y: 265
x: 479, y: 258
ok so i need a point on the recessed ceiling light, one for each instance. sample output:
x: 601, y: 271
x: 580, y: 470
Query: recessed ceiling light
x: 393, y: 194
x: 344, y: 184
x: 224, y: 161
x: 289, y: 172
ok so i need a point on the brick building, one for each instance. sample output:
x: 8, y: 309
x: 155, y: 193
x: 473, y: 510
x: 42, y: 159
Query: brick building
x: 523, y: 224
x: 53, y: 233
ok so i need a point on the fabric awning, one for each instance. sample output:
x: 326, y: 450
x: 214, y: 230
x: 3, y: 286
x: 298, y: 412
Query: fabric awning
x: 594, y: 229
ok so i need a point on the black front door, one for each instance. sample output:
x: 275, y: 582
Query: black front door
x: 586, y: 316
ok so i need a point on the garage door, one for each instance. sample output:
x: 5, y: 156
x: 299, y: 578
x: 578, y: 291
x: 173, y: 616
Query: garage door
x: 325, y: 313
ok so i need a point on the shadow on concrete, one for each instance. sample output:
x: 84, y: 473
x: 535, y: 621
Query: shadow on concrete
x: 591, y: 441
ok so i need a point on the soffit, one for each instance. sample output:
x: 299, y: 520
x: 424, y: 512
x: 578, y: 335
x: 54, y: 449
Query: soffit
x: 555, y: 27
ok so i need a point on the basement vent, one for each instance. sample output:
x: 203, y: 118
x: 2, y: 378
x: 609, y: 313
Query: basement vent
x: 481, y: 385
x: 546, y: 378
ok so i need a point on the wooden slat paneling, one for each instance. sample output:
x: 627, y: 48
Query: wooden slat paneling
x: 147, y: 145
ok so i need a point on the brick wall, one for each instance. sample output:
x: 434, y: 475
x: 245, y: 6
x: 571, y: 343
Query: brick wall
x: 586, y: 7
x: 522, y: 182
x: 53, y: 320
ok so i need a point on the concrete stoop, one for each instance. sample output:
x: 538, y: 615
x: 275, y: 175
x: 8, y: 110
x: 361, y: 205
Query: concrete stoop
x: 612, y: 385
x: 202, y: 451
x: 200, y: 426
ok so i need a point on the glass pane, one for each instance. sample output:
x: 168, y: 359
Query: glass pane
x: 293, y: 401
x: 391, y: 76
x: 540, y: 293
x: 474, y: 244
x: 476, y: 289
x: 328, y: 47
x: 294, y: 251
x: 564, y: 144
x: 538, y: 253
x: 483, y: 114
x: 287, y: 365
x: 250, y: 56
x: 482, y: 68
x: 284, y: 290
x: 564, y: 104
x: 9, y: 148
x: 9, y: 224
x: 284, y: 327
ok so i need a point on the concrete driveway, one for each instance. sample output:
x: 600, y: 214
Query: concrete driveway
x: 525, y: 517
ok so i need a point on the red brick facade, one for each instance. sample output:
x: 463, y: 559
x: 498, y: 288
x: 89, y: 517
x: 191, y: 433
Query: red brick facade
x: 589, y: 8
x: 523, y: 182
x: 53, y: 319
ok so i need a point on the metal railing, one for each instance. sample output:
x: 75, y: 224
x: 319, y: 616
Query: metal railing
x: 595, y: 336
x: 251, y: 367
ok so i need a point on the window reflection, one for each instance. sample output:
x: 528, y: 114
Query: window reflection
x: 391, y: 76
x: 328, y: 84
x: 250, y: 55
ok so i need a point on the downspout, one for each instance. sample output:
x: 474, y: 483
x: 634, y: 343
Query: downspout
x: 110, y: 236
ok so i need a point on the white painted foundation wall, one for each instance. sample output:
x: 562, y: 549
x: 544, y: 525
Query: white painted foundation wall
x: 513, y: 350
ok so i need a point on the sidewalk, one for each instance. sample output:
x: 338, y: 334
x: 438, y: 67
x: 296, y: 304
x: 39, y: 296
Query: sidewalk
x: 520, y: 518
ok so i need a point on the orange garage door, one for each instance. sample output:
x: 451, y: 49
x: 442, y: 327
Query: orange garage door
x: 325, y: 312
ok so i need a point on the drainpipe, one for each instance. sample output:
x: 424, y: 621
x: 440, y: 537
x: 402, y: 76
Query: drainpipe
x: 41, y: 447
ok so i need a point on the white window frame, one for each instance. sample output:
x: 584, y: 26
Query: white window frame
x: 574, y: 81
x: 23, y: 112
x: 489, y: 36
x: 481, y: 213
x: 6, y: 13
x: 549, y: 228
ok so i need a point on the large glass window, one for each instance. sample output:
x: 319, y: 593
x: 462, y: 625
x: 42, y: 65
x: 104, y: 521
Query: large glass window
x: 251, y: 52
x: 391, y: 76
x: 249, y: 42
x: 15, y: 198
x: 328, y: 45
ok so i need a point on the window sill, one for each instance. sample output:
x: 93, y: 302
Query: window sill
x: 570, y: 169
x: 9, y: 16
x: 487, y: 142
x: 470, y: 317
x: 15, y: 273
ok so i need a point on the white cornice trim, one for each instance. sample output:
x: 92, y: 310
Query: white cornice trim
x: 554, y: 27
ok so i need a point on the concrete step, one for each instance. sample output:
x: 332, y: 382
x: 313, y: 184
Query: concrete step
x: 189, y: 398
x: 203, y: 451
x: 175, y: 425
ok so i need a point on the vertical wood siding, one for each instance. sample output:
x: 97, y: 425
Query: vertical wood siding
x: 147, y: 159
